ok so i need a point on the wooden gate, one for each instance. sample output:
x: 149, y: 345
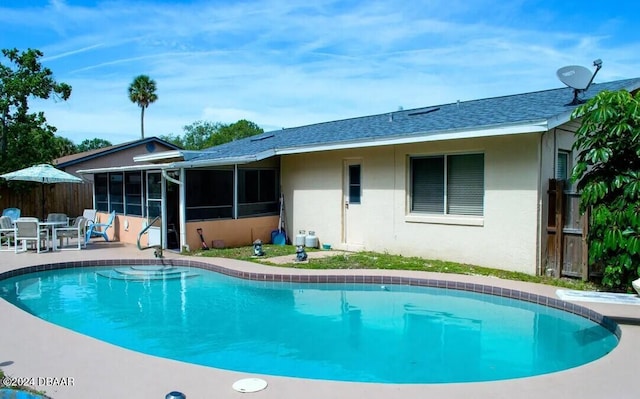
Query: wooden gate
x: 567, y: 251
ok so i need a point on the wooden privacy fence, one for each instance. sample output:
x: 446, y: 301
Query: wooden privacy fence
x: 68, y: 198
x: 567, y: 230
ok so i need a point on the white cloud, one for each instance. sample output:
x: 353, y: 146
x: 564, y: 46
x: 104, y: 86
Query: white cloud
x: 282, y: 64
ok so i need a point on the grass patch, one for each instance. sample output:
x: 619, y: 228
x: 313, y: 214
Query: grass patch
x: 246, y: 253
x: 374, y: 260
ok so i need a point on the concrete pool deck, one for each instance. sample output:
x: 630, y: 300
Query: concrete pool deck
x: 33, y: 348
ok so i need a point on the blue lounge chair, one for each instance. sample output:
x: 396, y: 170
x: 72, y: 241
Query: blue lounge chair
x: 100, y: 229
x: 13, y: 213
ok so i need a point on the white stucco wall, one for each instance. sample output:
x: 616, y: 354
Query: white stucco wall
x: 505, y: 237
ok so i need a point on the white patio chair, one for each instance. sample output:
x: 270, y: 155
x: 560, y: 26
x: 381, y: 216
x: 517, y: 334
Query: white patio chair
x: 28, y: 230
x: 77, y: 231
x: 7, y: 234
x: 89, y: 214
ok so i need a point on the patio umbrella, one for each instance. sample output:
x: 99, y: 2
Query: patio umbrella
x: 44, y: 174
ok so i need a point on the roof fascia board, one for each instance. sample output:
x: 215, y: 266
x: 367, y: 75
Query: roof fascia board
x: 184, y: 164
x: 532, y: 127
x: 560, y: 119
x: 158, y: 156
x: 123, y: 168
x: 225, y: 161
x: 213, y: 162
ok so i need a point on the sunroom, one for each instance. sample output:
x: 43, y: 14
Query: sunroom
x: 187, y: 207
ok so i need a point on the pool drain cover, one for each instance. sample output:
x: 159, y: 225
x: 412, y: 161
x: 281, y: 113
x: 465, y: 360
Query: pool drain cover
x: 246, y: 385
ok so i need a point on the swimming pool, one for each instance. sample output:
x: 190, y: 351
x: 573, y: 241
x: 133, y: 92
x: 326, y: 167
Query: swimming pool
x: 370, y: 329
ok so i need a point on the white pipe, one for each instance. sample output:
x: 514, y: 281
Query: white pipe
x: 171, y: 179
x: 182, y: 215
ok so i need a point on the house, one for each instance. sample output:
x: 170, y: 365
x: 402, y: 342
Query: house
x: 73, y: 198
x: 114, y: 155
x: 466, y: 182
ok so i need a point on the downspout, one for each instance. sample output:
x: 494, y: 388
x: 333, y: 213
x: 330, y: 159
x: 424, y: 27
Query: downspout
x: 540, y: 203
x: 182, y: 209
x: 171, y: 179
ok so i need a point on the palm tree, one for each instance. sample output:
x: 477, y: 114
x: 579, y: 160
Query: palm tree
x: 142, y: 91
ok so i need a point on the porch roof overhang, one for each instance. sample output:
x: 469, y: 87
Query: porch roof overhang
x: 119, y: 169
x: 178, y: 165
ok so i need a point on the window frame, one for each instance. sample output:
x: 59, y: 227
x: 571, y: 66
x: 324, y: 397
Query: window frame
x: 223, y: 208
x: 111, y: 194
x: 567, y: 154
x: 446, y: 216
x: 101, y: 191
x: 133, y: 193
x: 263, y: 200
x: 355, y: 188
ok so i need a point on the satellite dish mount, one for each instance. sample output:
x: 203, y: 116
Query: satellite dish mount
x: 578, y: 78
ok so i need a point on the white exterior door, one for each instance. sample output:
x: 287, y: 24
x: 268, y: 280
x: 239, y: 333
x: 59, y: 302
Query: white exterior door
x: 353, y: 235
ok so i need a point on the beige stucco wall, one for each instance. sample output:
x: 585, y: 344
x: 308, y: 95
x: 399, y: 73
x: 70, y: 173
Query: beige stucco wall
x: 506, y: 237
x: 232, y: 233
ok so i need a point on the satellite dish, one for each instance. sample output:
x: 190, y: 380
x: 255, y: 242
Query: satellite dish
x: 578, y: 78
x: 575, y: 76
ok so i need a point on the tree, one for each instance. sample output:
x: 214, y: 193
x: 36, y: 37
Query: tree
x: 92, y: 144
x: 173, y: 138
x: 204, y: 134
x: 235, y: 131
x: 198, y: 134
x: 64, y: 146
x: 142, y: 91
x: 608, y: 175
x: 26, y: 138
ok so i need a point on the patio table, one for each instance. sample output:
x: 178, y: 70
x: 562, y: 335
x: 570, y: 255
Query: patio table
x: 51, y: 226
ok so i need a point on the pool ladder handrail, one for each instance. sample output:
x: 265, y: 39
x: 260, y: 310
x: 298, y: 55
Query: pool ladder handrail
x: 157, y: 248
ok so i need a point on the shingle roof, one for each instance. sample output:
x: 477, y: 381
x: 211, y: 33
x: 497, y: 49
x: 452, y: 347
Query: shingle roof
x: 536, y: 107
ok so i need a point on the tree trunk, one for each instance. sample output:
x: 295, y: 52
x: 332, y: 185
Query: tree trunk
x: 142, y: 122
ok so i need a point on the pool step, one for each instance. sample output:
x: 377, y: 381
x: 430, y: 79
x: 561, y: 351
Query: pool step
x: 144, y: 273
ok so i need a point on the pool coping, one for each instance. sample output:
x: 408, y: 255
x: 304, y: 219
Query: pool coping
x: 33, y: 347
x: 544, y: 300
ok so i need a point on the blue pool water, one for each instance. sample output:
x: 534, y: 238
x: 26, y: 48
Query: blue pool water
x: 7, y: 393
x: 348, y: 332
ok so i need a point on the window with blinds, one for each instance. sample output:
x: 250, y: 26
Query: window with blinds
x: 448, y: 184
x: 562, y: 166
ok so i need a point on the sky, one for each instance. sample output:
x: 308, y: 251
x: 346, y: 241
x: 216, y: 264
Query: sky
x: 292, y: 63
